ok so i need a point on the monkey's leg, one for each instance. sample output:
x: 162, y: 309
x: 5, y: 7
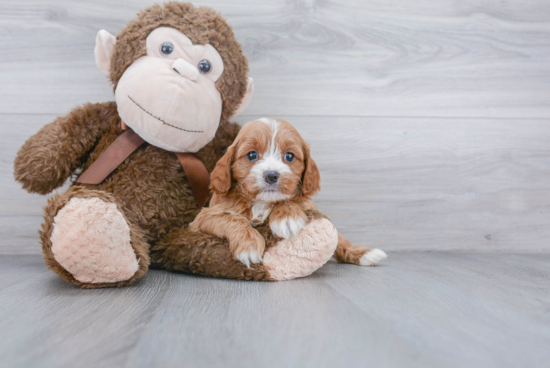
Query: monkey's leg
x: 207, y: 255
x: 203, y: 254
x: 349, y: 253
x: 88, y: 241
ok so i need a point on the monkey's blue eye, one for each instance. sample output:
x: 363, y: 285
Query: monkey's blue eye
x: 204, y: 66
x: 252, y: 156
x: 289, y: 157
x: 166, y: 48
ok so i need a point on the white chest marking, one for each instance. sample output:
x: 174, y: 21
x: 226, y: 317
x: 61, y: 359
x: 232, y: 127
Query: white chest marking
x: 260, y: 212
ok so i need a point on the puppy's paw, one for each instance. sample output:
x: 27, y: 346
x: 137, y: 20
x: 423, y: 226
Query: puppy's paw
x: 248, y: 247
x: 373, y: 257
x: 287, y: 228
x: 248, y: 257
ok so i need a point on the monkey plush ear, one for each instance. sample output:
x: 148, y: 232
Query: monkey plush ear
x: 104, y: 46
x: 247, y: 97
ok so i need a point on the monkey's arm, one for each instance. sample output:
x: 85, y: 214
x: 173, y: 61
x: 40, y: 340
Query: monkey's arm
x: 50, y: 156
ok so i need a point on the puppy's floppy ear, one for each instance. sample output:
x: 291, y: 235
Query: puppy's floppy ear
x: 220, y: 179
x: 311, y: 180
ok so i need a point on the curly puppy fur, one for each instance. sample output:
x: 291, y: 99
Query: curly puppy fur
x: 240, y: 186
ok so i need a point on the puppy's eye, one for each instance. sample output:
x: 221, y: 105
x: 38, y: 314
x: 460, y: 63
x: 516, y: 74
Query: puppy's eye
x: 166, y: 49
x: 252, y: 156
x: 289, y: 157
x: 204, y: 66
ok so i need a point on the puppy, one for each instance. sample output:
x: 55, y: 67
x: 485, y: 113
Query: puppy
x: 267, y: 174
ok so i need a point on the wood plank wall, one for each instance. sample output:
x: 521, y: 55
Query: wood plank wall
x: 430, y: 120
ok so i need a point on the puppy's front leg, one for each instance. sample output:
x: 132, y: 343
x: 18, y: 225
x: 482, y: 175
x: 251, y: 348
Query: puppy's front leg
x: 245, y: 242
x: 287, y: 220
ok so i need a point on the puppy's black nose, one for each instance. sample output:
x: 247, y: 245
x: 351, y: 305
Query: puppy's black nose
x: 271, y: 177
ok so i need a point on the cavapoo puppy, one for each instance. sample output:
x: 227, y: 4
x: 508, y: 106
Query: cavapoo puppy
x: 267, y: 174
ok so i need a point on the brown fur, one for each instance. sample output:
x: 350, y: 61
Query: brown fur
x: 149, y: 187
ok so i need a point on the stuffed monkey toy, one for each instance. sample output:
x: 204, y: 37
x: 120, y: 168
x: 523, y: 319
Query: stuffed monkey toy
x: 139, y: 165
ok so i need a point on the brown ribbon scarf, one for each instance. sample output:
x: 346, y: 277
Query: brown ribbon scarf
x: 128, y: 142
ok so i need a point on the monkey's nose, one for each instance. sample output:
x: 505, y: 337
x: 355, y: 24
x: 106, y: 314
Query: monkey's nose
x: 185, y: 69
x: 271, y: 177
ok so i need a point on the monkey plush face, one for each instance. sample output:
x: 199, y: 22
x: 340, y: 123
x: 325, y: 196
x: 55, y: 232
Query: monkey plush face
x: 169, y: 96
x: 172, y: 90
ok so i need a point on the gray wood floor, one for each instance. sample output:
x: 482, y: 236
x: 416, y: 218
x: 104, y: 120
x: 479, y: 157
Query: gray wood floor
x: 419, y: 309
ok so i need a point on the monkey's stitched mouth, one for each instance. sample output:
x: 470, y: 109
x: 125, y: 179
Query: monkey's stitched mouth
x: 162, y: 121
